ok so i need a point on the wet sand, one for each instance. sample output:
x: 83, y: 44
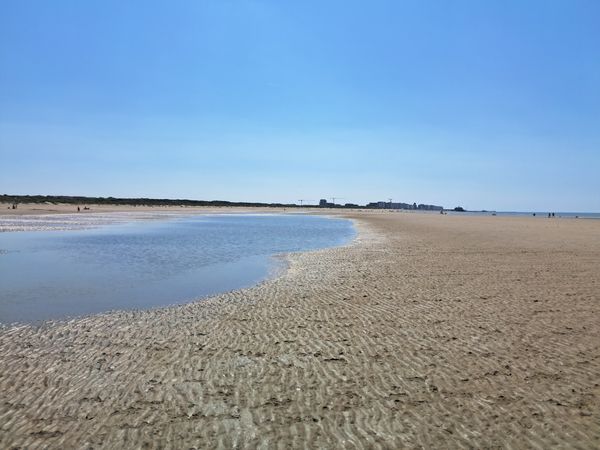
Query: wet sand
x: 428, y: 331
x: 26, y: 209
x: 43, y: 217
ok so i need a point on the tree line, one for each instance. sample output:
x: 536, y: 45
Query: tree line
x: 80, y: 200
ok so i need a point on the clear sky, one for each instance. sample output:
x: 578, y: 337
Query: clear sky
x: 484, y: 104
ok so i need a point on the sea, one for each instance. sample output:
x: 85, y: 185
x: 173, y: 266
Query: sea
x: 66, y: 272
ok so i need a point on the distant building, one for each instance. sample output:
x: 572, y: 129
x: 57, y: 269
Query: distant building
x: 430, y: 207
x: 325, y: 204
x: 414, y: 206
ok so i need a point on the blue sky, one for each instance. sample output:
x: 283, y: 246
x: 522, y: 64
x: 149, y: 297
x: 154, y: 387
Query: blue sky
x: 491, y: 104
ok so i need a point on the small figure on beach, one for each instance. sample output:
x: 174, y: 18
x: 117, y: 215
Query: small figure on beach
x: 533, y: 214
x: 78, y: 209
x: 552, y: 214
x: 549, y: 215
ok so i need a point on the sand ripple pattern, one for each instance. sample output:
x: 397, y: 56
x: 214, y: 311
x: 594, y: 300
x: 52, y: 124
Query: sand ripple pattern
x: 427, y: 332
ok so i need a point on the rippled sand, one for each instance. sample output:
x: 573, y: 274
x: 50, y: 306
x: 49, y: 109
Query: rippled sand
x: 428, y: 331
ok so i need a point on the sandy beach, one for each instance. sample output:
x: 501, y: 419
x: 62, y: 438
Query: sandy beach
x: 428, y: 331
x: 28, y: 209
x: 52, y: 217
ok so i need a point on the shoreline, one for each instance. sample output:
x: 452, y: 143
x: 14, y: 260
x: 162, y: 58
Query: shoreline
x: 275, y: 264
x: 422, y: 331
x: 73, y: 221
x: 63, y: 208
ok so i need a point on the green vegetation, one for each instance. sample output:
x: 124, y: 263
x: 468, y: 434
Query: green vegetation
x: 79, y: 200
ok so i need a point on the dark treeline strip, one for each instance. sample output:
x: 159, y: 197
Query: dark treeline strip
x: 79, y: 200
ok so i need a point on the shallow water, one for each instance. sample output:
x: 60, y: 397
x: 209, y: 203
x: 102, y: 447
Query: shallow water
x: 59, y: 274
x: 85, y: 221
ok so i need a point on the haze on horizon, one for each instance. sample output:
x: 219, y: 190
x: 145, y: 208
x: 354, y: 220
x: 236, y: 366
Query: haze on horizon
x: 491, y: 105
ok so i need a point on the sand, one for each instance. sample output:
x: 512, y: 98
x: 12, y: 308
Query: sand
x: 428, y: 331
x: 53, y: 217
x: 25, y: 209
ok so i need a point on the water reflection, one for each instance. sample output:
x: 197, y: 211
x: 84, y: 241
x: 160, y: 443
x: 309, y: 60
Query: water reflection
x: 46, y: 275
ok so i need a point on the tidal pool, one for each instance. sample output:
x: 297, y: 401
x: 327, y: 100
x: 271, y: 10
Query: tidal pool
x: 143, y: 264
